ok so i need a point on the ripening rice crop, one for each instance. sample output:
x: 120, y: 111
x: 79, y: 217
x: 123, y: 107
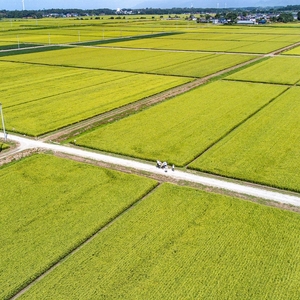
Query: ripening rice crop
x: 181, y: 243
x: 204, y: 45
x: 266, y: 149
x: 294, y: 51
x: 281, y: 70
x: 177, y: 44
x: 44, y: 98
x: 49, y: 206
x: 141, y: 61
x: 180, y: 129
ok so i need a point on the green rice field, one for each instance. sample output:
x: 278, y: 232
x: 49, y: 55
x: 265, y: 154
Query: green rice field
x: 95, y: 233
x: 204, y: 45
x: 49, y: 206
x: 56, y: 96
x: 180, y: 243
x: 294, y: 51
x: 154, y: 62
x: 180, y: 129
x: 265, y: 149
x: 231, y: 35
x: 279, y: 70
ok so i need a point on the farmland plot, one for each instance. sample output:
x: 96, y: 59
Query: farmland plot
x: 204, y: 45
x: 181, y: 243
x: 229, y: 36
x: 294, y: 51
x: 72, y: 96
x: 180, y: 129
x: 280, y: 70
x: 174, y: 44
x: 50, y: 206
x: 155, y: 62
x: 62, y: 36
x: 265, y: 149
x: 22, y: 83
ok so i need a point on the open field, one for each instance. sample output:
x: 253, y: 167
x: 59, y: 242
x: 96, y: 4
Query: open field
x: 295, y: 51
x: 265, y: 149
x: 140, y: 61
x: 16, y: 44
x: 49, y: 206
x: 180, y: 129
x: 280, y: 70
x: 67, y: 35
x: 58, y: 96
x: 204, y: 45
x: 203, y: 37
x: 229, y: 36
x: 181, y: 243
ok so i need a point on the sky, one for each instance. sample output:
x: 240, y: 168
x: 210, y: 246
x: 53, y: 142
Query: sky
x: 114, y: 4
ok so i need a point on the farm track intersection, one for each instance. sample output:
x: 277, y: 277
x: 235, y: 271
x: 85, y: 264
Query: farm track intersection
x: 239, y: 188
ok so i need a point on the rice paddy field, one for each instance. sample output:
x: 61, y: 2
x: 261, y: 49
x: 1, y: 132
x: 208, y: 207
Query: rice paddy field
x: 294, y: 51
x: 52, y: 91
x: 180, y: 129
x: 180, y: 243
x: 204, y: 45
x: 265, y: 149
x: 279, y: 70
x: 113, y: 235
x: 53, y: 206
x: 184, y: 64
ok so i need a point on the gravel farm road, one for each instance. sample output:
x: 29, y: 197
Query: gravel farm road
x: 259, y: 192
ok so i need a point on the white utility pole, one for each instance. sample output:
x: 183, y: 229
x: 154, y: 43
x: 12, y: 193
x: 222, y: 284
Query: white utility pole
x: 3, y: 125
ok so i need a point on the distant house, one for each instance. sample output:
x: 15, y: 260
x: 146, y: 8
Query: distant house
x: 246, y: 22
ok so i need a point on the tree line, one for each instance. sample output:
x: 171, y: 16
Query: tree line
x: 283, y: 13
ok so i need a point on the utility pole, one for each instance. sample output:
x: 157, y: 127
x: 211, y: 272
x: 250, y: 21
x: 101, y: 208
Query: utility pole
x: 3, y: 126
